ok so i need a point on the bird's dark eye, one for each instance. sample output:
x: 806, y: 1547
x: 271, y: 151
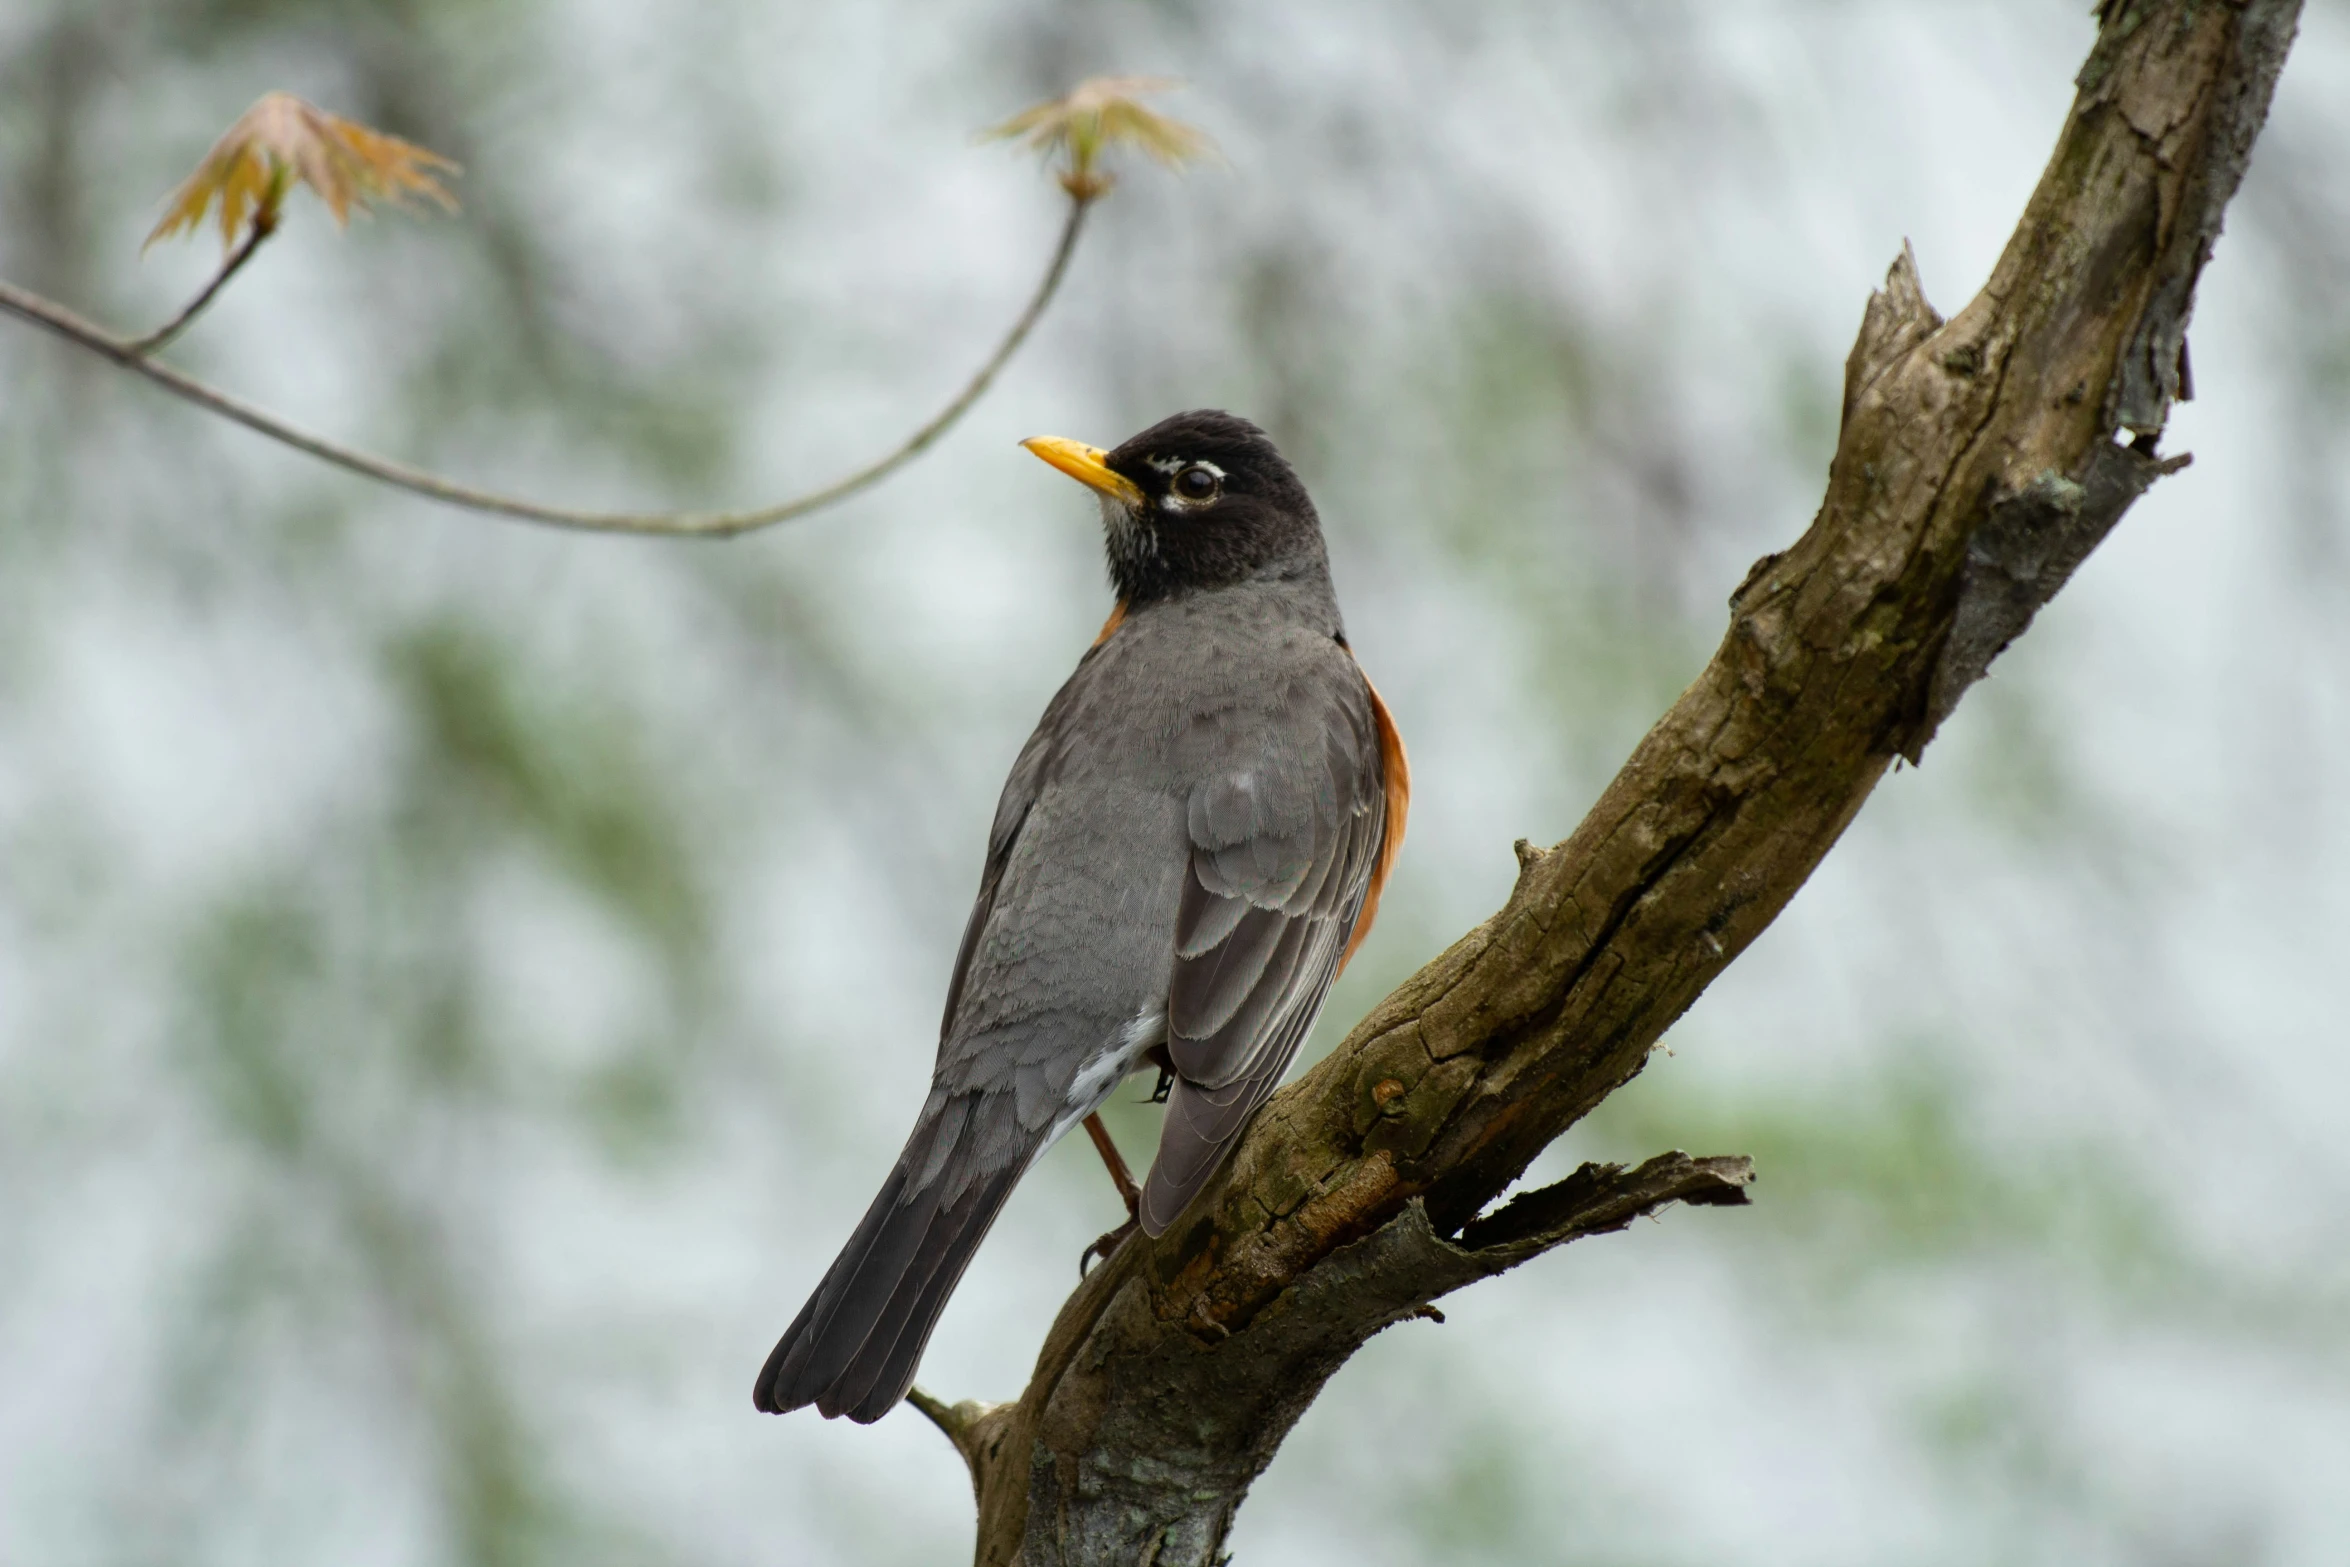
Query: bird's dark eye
x: 1195, y: 484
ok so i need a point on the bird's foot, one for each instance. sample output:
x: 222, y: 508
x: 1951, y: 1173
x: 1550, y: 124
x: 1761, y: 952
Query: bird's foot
x: 1104, y: 1245
x: 1165, y: 1084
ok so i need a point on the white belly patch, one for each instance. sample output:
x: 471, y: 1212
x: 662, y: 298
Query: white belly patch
x: 1100, y: 1077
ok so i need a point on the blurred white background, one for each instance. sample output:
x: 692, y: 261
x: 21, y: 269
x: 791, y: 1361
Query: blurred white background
x: 459, y: 982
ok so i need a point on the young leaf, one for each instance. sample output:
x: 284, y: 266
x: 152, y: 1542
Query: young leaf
x: 282, y: 141
x: 1099, y: 113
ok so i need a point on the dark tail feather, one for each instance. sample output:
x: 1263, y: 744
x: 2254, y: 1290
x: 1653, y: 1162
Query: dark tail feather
x: 853, y: 1348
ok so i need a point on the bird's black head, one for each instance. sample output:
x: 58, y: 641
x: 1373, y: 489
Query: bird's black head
x: 1202, y: 500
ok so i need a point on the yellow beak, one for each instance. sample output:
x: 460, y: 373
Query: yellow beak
x: 1084, y: 464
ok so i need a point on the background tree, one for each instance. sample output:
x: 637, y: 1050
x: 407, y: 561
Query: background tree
x: 1979, y: 461
x: 427, y: 948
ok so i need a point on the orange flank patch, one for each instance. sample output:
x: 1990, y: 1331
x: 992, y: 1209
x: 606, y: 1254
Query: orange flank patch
x: 1117, y: 619
x: 1395, y: 776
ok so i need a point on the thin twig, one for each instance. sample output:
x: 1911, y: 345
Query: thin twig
x: 968, y: 1425
x: 716, y: 524
x: 940, y: 1413
x: 264, y: 225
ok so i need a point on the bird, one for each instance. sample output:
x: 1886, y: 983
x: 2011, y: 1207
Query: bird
x: 1189, y: 848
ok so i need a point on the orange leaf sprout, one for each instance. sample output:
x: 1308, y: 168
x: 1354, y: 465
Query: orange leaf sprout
x: 1098, y: 113
x: 282, y: 140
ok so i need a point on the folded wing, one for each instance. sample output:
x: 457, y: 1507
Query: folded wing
x: 1283, y: 852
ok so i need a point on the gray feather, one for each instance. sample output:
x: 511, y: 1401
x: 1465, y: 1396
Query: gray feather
x: 1189, y: 833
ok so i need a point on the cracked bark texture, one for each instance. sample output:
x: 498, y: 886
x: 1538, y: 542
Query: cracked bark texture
x: 1980, y: 460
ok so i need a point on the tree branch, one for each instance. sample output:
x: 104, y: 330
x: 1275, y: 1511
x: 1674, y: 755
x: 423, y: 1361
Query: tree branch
x: 1976, y: 467
x: 257, y: 232
x: 966, y: 1424
x: 133, y: 355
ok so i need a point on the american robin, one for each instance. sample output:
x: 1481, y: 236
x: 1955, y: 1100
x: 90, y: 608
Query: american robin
x: 1190, y: 847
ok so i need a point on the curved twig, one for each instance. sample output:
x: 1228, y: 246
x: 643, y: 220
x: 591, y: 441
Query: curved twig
x: 264, y: 225
x: 131, y: 356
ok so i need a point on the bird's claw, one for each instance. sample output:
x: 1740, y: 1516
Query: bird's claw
x: 1103, y: 1245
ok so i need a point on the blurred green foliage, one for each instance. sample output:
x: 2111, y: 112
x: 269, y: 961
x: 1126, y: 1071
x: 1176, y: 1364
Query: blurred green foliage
x: 458, y: 983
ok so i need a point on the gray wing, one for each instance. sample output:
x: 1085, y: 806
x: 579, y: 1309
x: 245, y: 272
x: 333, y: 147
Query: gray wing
x: 1011, y: 812
x: 1282, y: 851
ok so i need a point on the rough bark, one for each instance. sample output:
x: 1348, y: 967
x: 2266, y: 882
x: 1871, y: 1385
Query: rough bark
x: 1980, y: 460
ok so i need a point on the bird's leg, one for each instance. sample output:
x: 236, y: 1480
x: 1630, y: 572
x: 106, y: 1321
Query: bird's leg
x: 1115, y: 1162
x: 1156, y: 1056
x: 1123, y: 1179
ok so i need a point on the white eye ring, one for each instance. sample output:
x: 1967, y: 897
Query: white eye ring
x: 1199, y: 482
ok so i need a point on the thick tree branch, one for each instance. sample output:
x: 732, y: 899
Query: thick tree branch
x: 134, y: 355
x: 1977, y: 466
